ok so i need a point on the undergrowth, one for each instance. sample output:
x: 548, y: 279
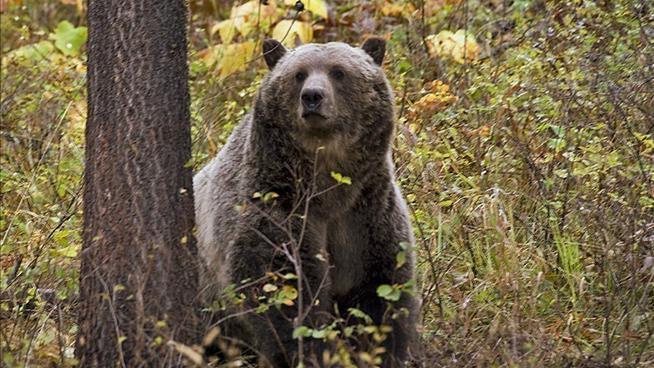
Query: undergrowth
x: 525, y: 151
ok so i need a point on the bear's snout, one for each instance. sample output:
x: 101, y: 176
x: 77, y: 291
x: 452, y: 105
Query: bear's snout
x: 316, y: 98
x: 311, y: 99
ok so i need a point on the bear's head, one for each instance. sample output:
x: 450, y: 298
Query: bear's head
x: 329, y: 95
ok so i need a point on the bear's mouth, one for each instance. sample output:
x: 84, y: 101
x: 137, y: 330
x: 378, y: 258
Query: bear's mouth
x: 313, y: 116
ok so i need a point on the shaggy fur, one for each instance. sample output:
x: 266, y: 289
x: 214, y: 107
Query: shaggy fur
x: 348, y: 236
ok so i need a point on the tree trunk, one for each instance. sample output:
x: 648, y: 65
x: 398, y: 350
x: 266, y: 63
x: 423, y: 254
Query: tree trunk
x: 138, y: 276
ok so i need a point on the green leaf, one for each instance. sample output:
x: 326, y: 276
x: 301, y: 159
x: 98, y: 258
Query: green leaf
x: 270, y: 196
x: 69, y: 251
x: 389, y: 292
x: 68, y: 38
x: 289, y: 276
x: 340, y: 178
x: 445, y: 203
x: 262, y: 308
x: 358, y: 313
x: 400, y: 259
x: 303, y: 331
x: 119, y: 287
x: 319, y: 334
x: 64, y: 237
x: 33, y: 52
x: 383, y: 290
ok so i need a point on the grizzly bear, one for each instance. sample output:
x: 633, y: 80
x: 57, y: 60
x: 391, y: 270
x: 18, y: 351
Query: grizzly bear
x: 304, y: 192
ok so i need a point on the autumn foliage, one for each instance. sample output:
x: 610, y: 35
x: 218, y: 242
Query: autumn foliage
x: 524, y: 145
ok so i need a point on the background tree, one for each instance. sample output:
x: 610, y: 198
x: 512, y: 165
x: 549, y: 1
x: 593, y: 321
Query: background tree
x: 138, y: 279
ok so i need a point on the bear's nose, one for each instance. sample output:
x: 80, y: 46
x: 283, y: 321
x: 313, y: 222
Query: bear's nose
x: 311, y: 98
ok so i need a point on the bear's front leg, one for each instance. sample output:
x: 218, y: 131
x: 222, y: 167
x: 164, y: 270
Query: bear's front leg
x: 291, y: 290
x: 399, y: 315
x: 387, y: 233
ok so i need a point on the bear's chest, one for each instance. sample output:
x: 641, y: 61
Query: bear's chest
x: 346, y: 242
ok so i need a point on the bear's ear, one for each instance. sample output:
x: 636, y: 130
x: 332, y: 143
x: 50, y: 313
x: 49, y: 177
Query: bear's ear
x: 375, y: 47
x: 272, y: 52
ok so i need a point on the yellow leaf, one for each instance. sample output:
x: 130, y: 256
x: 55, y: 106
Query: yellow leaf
x: 210, y: 54
x: 286, y: 30
x: 460, y: 46
x: 268, y: 288
x: 226, y: 29
x: 467, y: 47
x: 392, y: 10
x: 288, y: 294
x: 246, y: 16
x: 245, y: 10
x: 442, y: 43
x: 188, y: 352
x: 234, y: 57
x: 317, y: 7
x: 228, y: 59
x: 437, y: 99
x: 77, y: 118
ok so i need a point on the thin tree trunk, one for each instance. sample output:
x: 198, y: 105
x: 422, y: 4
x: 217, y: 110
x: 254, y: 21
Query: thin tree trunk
x: 138, y: 276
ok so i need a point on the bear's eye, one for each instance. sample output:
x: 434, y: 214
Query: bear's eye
x: 337, y: 74
x: 300, y: 76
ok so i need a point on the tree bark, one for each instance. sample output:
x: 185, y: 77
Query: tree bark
x: 138, y: 277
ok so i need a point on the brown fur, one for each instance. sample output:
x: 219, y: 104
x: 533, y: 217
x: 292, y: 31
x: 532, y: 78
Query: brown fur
x: 290, y: 147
